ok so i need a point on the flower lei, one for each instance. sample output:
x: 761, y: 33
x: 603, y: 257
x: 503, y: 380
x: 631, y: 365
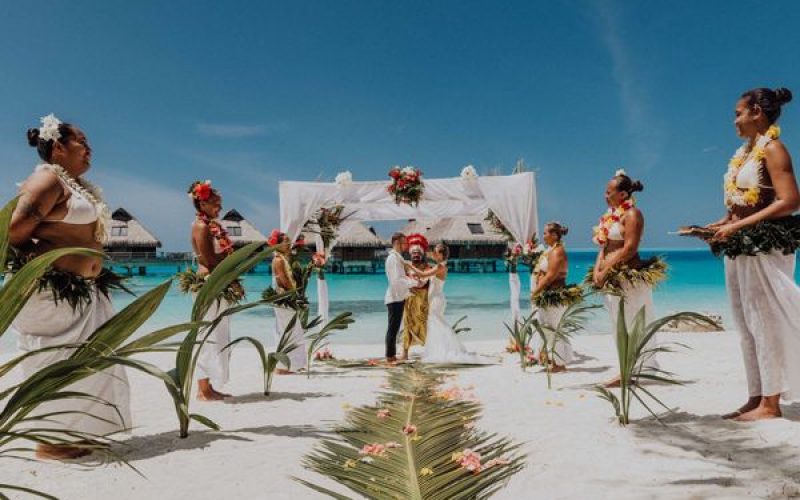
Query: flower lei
x: 406, y: 186
x: 611, y: 217
x: 218, y: 232
x: 87, y: 190
x: 747, y: 197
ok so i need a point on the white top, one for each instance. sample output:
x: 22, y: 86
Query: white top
x: 79, y: 209
x: 616, y: 232
x: 399, y: 283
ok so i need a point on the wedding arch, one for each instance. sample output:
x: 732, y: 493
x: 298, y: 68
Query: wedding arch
x: 512, y: 199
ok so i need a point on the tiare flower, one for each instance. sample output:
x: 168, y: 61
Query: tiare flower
x: 469, y: 173
x: 344, y: 178
x: 49, y: 129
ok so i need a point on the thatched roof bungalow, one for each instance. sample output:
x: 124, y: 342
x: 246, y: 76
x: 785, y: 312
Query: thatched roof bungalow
x: 240, y: 230
x: 355, y: 241
x: 128, y: 238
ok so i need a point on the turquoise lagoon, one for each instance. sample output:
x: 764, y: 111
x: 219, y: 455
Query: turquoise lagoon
x: 696, y: 282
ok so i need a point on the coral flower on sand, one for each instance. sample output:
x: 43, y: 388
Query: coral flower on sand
x: 409, y: 429
x: 374, y: 449
x: 469, y: 460
x: 383, y: 413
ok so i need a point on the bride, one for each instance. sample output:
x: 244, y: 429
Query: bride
x: 442, y: 344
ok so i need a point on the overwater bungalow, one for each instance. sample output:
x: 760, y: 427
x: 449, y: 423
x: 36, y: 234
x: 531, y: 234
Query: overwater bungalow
x: 129, y: 239
x: 240, y: 230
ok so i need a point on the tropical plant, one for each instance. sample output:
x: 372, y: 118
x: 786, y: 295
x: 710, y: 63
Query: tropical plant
x: 417, y: 442
x: 635, y: 361
x: 233, y: 266
x: 269, y: 361
x: 103, y: 349
x: 319, y: 340
x: 572, y: 321
x: 521, y: 333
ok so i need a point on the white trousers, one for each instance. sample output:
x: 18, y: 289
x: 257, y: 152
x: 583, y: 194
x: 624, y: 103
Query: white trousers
x: 550, y: 316
x: 298, y: 356
x: 213, y: 363
x: 636, y: 298
x: 765, y: 301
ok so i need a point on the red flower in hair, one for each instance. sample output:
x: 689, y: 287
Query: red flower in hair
x: 418, y: 239
x: 274, y: 237
x: 394, y: 173
x: 203, y: 191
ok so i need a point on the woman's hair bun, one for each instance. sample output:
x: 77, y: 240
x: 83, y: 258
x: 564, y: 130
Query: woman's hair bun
x: 637, y: 186
x: 564, y: 230
x: 783, y: 95
x: 33, y: 137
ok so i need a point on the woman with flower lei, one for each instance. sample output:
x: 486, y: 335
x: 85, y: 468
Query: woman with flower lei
x: 619, y: 271
x: 212, y: 245
x: 551, y: 283
x: 59, y: 208
x: 283, y: 280
x: 761, y: 193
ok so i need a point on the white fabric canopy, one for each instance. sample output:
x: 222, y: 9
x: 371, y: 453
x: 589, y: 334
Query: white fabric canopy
x: 512, y: 198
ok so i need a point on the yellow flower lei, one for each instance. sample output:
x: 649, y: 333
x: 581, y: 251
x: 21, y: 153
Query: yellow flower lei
x: 734, y: 195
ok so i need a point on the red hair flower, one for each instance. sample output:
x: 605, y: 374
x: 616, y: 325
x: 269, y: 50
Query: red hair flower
x: 203, y: 190
x: 274, y: 237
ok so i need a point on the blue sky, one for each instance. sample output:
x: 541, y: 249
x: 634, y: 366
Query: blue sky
x: 249, y: 93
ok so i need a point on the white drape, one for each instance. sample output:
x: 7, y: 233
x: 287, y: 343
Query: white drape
x: 512, y: 198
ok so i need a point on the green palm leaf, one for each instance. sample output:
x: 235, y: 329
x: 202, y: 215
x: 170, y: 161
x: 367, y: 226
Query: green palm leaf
x: 423, y: 466
x: 5, y: 221
x: 634, y: 356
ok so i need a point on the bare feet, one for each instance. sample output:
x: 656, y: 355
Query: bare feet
x: 558, y: 369
x: 60, y: 452
x: 768, y: 408
x: 205, y: 391
x: 750, y: 405
x: 284, y: 371
x: 760, y: 413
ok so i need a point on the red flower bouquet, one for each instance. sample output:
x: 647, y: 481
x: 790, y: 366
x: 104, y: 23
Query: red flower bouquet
x: 406, y: 186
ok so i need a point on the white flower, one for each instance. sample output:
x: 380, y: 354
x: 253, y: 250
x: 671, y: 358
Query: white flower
x: 620, y: 172
x: 49, y: 128
x: 409, y: 170
x: 469, y: 172
x: 344, y: 178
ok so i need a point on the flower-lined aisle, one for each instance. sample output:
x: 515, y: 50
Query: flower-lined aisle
x: 418, y: 441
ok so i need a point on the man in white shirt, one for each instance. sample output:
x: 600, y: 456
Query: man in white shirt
x: 399, y: 288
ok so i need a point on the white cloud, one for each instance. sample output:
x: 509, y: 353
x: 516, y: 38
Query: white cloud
x: 237, y: 130
x: 643, y: 127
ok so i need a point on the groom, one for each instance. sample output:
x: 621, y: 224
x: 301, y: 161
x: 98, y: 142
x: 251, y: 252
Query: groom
x: 399, y: 289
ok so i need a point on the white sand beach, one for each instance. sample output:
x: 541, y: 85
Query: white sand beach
x: 574, y: 448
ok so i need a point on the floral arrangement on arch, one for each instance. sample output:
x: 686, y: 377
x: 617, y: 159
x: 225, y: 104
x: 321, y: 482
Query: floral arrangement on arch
x: 498, y: 227
x: 406, y: 186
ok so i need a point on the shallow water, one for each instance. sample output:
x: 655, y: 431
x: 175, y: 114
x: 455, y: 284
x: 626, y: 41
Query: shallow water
x: 696, y: 282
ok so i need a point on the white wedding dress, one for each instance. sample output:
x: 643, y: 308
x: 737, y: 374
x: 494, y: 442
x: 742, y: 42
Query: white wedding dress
x: 442, y: 344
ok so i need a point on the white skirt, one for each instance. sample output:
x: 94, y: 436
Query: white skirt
x: 298, y: 356
x: 213, y: 363
x: 550, y: 316
x: 636, y: 298
x: 765, y: 302
x: 42, y: 323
